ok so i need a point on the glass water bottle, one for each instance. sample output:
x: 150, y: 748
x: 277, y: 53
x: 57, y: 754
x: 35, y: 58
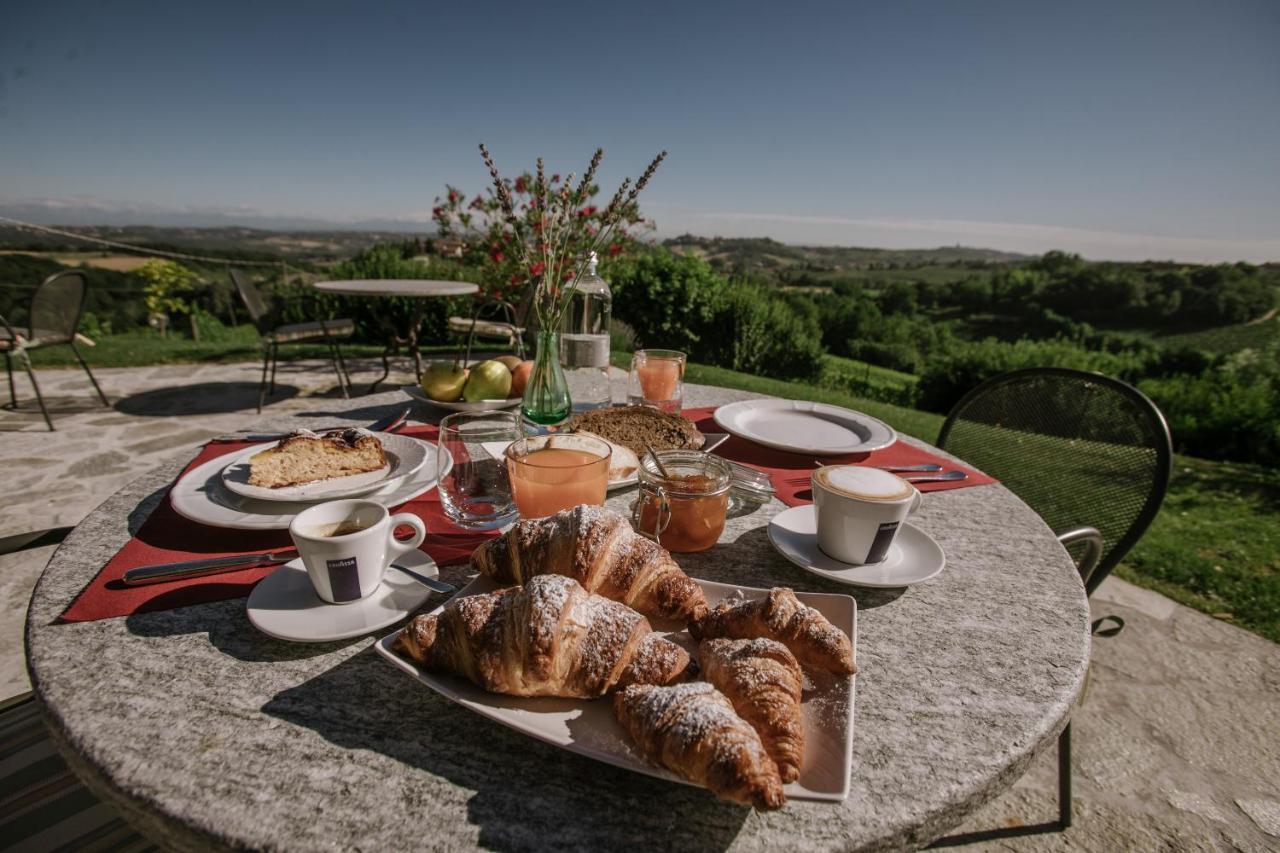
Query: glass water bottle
x: 584, y: 341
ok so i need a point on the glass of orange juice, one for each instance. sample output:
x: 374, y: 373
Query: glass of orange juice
x: 549, y: 473
x: 657, y: 379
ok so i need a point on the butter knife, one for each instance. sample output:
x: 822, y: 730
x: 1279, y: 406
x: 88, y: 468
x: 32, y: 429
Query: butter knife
x: 166, y: 572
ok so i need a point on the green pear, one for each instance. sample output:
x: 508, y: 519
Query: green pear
x: 444, y: 381
x: 490, y: 380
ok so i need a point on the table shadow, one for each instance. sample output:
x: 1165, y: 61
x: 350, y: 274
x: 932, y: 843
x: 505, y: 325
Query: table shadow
x: 202, y: 398
x: 229, y: 631
x: 750, y: 568
x: 526, y: 794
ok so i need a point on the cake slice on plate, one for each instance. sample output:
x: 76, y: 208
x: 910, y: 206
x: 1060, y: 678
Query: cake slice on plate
x: 305, y: 457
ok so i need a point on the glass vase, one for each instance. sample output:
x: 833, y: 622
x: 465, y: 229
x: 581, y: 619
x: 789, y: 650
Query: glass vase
x: 546, y: 396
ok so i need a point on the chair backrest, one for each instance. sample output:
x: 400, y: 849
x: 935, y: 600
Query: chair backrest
x: 1082, y: 449
x: 57, y: 305
x: 251, y: 297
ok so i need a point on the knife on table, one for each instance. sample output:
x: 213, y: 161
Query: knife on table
x: 213, y: 565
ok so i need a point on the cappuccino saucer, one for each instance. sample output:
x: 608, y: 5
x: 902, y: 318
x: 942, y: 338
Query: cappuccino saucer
x: 284, y: 604
x: 913, y: 557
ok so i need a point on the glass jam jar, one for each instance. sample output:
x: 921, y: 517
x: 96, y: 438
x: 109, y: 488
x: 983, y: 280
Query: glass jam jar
x: 685, y: 510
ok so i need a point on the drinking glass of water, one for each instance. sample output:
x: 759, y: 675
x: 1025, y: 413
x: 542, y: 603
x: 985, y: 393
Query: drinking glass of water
x: 657, y: 379
x: 476, y: 492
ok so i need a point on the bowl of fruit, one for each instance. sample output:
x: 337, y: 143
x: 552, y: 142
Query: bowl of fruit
x: 494, y: 384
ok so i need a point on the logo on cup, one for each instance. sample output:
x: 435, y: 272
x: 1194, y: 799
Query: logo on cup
x: 880, y: 545
x: 344, y: 579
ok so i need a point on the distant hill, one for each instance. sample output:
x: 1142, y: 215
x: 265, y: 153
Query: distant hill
x: 757, y: 255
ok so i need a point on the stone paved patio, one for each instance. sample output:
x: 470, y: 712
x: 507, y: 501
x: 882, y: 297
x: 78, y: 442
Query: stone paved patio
x: 1176, y: 744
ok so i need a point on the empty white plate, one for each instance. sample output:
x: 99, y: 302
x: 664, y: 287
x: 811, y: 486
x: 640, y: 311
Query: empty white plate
x: 818, y: 429
x: 284, y: 604
x: 405, y: 455
x: 913, y: 556
x: 588, y: 727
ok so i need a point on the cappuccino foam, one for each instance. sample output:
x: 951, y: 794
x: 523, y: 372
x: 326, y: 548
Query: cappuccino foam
x: 868, y: 484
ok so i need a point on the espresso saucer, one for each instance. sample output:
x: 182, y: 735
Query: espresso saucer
x: 913, y: 557
x: 284, y: 604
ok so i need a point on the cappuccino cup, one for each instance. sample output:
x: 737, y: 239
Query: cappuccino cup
x: 348, y: 545
x: 859, y: 511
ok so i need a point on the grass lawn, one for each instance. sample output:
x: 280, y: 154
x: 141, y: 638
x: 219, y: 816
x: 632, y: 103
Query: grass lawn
x: 1215, y: 545
x: 1228, y: 339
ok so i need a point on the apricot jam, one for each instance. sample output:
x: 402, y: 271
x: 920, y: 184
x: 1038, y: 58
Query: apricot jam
x: 685, y: 510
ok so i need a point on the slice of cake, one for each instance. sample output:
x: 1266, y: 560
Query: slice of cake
x: 305, y: 457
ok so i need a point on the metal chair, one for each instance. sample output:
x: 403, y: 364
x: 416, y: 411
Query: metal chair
x: 495, y: 319
x: 1091, y: 454
x: 273, y: 335
x: 56, y: 309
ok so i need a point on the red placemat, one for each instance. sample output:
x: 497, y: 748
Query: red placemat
x: 166, y: 537
x: 790, y: 472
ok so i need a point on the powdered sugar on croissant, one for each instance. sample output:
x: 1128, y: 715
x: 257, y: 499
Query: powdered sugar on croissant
x: 599, y: 549
x: 548, y: 638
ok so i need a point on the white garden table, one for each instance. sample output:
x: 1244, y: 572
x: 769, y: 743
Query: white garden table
x: 417, y: 289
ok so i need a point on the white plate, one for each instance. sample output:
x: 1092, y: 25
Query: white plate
x: 589, y: 728
x: 405, y: 455
x: 800, y: 427
x: 200, y: 496
x: 497, y: 449
x: 913, y: 557
x: 284, y: 604
x: 416, y: 392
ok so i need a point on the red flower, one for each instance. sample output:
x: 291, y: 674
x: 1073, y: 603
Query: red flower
x: 589, y: 210
x: 536, y: 269
x: 454, y: 195
x: 555, y: 179
x: 437, y: 212
x: 615, y: 249
x: 496, y: 256
x: 477, y: 203
x: 522, y: 185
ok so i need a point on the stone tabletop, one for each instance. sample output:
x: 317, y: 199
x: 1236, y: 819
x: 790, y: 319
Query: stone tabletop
x: 205, y: 733
x: 398, y: 287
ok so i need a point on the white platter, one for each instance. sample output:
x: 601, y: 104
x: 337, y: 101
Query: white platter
x: 284, y: 604
x: 200, y: 496
x: 405, y: 456
x: 589, y: 728
x: 797, y: 426
x: 416, y: 392
x: 914, y: 557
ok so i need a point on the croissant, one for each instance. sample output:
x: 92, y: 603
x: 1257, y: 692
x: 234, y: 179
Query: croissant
x: 548, y: 638
x: 763, y: 681
x: 692, y: 729
x: 780, y: 616
x: 597, y: 548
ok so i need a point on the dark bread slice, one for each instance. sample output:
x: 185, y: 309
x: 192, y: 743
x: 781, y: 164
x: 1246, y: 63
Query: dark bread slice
x: 634, y: 426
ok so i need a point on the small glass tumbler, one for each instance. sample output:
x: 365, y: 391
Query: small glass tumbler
x: 550, y: 473
x: 657, y: 379
x: 476, y: 492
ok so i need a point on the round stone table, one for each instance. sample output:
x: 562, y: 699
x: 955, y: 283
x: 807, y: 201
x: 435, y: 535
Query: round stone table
x: 205, y: 733
x: 417, y: 289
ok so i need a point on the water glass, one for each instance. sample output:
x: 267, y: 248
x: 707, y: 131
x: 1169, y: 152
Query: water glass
x: 476, y: 492
x: 657, y: 379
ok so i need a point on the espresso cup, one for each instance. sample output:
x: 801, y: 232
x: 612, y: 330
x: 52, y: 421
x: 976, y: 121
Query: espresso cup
x: 859, y: 511
x: 347, y: 546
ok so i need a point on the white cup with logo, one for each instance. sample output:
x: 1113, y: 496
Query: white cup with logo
x: 859, y: 510
x: 348, y: 545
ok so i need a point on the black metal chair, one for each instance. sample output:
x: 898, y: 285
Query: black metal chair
x: 329, y: 332
x: 1091, y: 454
x: 495, y: 320
x: 56, y: 309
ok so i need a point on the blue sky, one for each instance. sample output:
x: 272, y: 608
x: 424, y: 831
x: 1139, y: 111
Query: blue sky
x: 1126, y: 130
